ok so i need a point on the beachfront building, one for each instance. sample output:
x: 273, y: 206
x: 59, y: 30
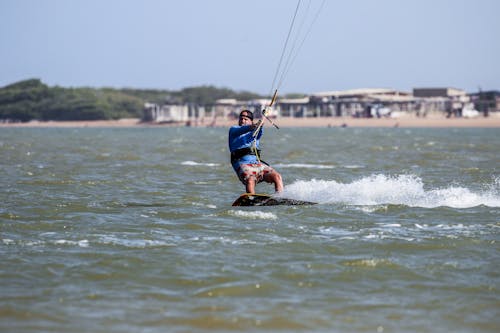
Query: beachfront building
x: 375, y: 102
x: 371, y: 102
x: 452, y: 101
x: 486, y: 102
x: 356, y: 102
x: 226, y: 107
x: 293, y: 107
x: 172, y: 113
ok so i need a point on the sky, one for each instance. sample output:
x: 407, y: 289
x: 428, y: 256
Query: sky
x: 237, y: 44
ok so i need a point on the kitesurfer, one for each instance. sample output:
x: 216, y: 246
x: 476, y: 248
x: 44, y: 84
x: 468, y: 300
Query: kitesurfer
x: 245, y: 154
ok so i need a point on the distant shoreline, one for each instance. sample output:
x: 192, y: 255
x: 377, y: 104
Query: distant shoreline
x: 403, y: 122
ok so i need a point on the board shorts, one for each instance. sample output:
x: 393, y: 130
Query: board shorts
x: 254, y: 170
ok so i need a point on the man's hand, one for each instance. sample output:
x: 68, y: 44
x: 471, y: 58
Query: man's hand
x: 257, y: 124
x: 267, y: 111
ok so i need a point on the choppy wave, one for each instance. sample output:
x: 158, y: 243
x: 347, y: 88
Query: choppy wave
x: 38, y: 242
x: 253, y: 214
x: 304, y: 166
x: 408, y: 190
x: 314, y: 166
x: 193, y: 163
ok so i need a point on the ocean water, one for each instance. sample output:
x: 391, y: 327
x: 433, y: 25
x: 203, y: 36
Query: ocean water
x: 132, y: 230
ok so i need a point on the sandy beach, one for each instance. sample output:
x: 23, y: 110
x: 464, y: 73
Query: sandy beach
x: 405, y: 122
x: 493, y: 121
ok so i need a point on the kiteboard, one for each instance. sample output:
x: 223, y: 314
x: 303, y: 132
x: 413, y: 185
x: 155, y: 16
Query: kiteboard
x: 249, y: 199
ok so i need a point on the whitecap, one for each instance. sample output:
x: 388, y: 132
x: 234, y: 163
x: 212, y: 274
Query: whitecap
x: 132, y: 243
x: 254, y: 214
x: 332, y: 231
x: 8, y: 241
x: 353, y: 166
x: 373, y: 209
x: 199, y: 204
x: 193, y: 163
x: 48, y: 233
x: 81, y: 243
x: 33, y: 243
x: 390, y: 225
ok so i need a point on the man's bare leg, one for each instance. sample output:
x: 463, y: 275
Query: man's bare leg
x: 250, y: 185
x: 275, y: 178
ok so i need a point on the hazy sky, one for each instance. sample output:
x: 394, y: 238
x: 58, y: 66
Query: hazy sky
x: 173, y: 44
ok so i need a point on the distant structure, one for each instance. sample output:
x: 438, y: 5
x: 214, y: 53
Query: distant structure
x: 375, y: 102
x: 438, y: 92
x: 369, y: 102
x: 165, y: 113
x: 486, y: 101
x: 450, y: 100
x: 172, y: 113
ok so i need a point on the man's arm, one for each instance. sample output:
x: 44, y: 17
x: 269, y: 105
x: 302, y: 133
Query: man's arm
x: 238, y: 130
x: 260, y: 126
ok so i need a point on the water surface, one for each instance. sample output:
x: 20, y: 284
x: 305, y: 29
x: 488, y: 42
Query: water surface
x: 131, y: 230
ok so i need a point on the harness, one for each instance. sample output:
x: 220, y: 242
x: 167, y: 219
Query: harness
x: 239, y: 153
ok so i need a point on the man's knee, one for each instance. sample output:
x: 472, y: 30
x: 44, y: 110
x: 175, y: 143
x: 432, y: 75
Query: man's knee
x: 273, y: 177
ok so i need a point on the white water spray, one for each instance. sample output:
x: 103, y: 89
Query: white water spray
x: 380, y: 189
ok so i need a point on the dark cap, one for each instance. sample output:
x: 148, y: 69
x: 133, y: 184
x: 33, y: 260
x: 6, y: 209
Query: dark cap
x: 247, y: 113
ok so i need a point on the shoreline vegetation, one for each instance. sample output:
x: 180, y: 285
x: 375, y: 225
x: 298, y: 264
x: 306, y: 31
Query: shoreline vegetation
x: 31, y: 99
x: 405, y: 121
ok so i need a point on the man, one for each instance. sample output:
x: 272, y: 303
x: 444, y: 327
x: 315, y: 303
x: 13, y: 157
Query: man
x: 245, y: 153
x: 245, y: 157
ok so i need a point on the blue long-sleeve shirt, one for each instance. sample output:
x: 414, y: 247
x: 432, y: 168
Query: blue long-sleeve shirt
x: 241, y: 137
